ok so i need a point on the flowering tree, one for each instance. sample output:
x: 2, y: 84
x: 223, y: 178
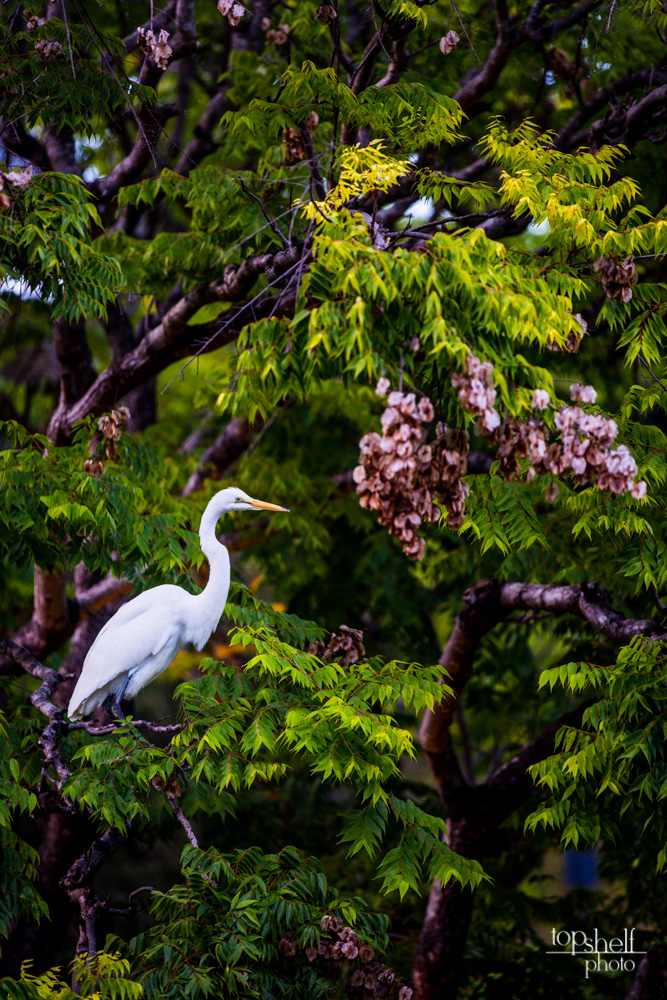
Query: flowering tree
x: 399, y: 267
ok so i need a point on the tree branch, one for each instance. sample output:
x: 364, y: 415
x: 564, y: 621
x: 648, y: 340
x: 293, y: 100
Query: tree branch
x: 589, y: 600
x: 486, y: 605
x: 225, y: 450
x: 178, y: 812
x: 41, y: 699
x: 511, y: 785
x: 311, y: 160
x: 97, y: 730
x: 475, y: 812
x: 151, y: 125
x: 569, y: 135
x: 98, y: 595
x: 76, y: 884
x: 171, y: 339
x: 52, y: 620
x: 495, y: 62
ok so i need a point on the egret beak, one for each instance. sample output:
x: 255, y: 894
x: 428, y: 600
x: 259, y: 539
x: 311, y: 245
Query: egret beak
x: 262, y: 505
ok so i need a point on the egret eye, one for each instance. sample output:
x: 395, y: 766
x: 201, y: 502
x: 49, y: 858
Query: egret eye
x: 239, y: 500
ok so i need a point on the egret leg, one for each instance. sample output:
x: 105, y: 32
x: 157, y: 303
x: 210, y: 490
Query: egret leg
x: 115, y: 707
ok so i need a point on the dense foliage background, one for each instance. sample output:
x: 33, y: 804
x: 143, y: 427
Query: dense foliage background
x: 399, y: 267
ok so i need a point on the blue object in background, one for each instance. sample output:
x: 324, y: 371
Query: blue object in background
x: 581, y: 869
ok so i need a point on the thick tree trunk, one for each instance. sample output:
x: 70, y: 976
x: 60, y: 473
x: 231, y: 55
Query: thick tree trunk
x: 439, y: 957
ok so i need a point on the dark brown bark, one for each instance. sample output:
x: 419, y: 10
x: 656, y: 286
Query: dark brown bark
x: 438, y: 959
x: 225, y: 450
x: 650, y: 982
x: 76, y: 883
x: 173, y: 338
x: 61, y: 831
x: 76, y: 361
x: 52, y: 619
x: 481, y: 611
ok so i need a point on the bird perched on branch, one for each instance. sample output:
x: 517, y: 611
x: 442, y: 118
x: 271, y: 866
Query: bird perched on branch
x: 144, y: 636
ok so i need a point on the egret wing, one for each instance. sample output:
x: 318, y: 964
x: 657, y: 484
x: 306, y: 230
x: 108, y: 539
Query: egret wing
x: 139, y: 631
x: 163, y: 597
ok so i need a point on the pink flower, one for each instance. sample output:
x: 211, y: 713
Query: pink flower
x: 583, y: 393
x: 540, y: 399
x: 390, y: 416
x: 490, y: 420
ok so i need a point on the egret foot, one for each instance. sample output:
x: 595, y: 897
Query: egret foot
x: 113, y: 707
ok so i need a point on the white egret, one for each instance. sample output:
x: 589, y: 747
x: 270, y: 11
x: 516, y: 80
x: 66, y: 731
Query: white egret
x: 140, y: 641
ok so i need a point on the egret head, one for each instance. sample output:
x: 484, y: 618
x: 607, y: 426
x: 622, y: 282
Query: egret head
x: 235, y: 499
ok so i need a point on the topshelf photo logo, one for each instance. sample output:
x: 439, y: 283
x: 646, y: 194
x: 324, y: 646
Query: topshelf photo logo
x: 600, y: 954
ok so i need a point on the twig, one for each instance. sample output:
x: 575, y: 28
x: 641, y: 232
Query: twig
x: 302, y: 261
x: 611, y: 12
x: 180, y: 816
x: 312, y: 158
x: 96, y: 730
x: 228, y: 322
x: 379, y: 32
x: 272, y: 419
x: 652, y: 374
x: 456, y: 11
x: 658, y: 603
x: 274, y: 225
x: 411, y: 233
x: 41, y: 700
x: 126, y: 910
x: 69, y: 40
x: 127, y: 100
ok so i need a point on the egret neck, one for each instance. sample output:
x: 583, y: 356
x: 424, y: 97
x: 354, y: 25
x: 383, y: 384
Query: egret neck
x: 211, y: 601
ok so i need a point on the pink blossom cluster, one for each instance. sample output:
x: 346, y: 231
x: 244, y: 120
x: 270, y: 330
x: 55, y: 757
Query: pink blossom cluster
x: 400, y: 474
x: 476, y: 392
x: 370, y: 979
x: 541, y: 399
x: 521, y: 439
x: 584, y: 451
x: 583, y: 393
